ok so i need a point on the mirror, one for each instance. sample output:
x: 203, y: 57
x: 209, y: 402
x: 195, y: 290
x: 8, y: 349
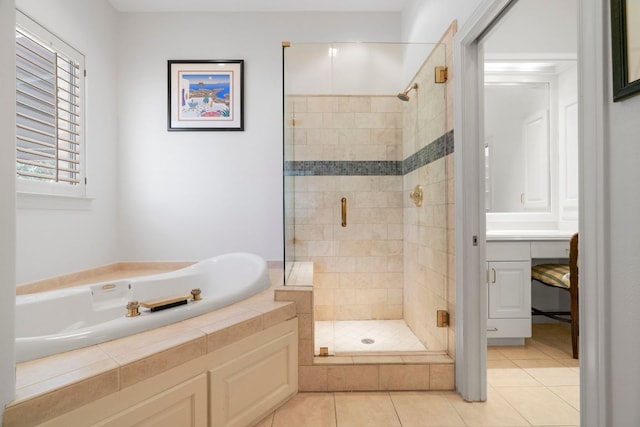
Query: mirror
x: 517, y: 146
x: 530, y: 117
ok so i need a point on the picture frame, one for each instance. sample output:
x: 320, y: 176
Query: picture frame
x: 625, y: 48
x: 205, y: 95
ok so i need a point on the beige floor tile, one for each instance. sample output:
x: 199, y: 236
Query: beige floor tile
x: 425, y: 409
x: 501, y: 364
x: 538, y: 363
x: 307, y: 409
x: 555, y: 376
x: 554, y: 350
x: 510, y: 378
x: 365, y: 410
x: 494, y: 354
x: 265, y: 422
x: 573, y: 363
x: 540, y: 406
x: 570, y: 394
x: 495, y: 412
x: 523, y: 352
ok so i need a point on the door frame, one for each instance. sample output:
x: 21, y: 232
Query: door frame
x: 471, y: 298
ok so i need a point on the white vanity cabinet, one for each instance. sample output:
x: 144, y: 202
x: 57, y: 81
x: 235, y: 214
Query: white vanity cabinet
x: 182, y: 405
x: 509, y: 290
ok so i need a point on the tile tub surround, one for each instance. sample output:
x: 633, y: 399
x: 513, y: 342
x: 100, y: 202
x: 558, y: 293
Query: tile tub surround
x: 51, y: 386
x: 114, y: 271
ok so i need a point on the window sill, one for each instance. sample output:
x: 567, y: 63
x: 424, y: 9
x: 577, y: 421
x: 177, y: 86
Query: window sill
x: 52, y: 202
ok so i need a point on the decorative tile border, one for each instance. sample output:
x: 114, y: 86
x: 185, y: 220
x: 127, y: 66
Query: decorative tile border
x: 436, y: 150
x: 342, y: 168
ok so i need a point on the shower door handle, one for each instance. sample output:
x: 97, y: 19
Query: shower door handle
x: 343, y: 204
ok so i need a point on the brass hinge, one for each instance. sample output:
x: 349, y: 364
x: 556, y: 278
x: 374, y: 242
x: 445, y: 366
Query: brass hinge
x: 443, y: 318
x: 442, y: 74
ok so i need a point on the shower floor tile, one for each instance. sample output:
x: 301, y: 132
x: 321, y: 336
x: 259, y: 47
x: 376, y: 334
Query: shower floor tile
x: 346, y: 337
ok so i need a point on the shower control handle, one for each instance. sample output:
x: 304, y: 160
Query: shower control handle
x: 343, y: 204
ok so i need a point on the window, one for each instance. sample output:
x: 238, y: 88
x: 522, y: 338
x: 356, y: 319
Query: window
x: 49, y: 112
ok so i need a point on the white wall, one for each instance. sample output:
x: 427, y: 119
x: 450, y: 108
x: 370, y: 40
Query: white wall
x: 623, y: 239
x: 427, y: 20
x: 51, y: 242
x: 7, y: 201
x: 539, y: 30
x: 191, y: 195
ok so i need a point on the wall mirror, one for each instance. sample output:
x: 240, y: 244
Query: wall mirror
x: 517, y: 146
x: 531, y: 117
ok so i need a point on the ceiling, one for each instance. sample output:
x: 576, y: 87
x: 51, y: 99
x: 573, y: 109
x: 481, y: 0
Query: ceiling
x: 258, y: 5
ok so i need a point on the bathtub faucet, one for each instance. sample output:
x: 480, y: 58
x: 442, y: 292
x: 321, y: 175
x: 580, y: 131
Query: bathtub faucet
x: 132, y: 309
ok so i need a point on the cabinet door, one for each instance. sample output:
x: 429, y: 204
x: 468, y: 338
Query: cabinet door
x: 510, y: 290
x: 184, y: 405
x: 244, y: 389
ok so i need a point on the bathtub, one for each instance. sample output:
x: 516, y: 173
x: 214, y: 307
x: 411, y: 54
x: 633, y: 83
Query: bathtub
x: 56, y: 321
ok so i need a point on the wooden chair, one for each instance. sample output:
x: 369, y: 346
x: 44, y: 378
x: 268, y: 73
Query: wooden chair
x: 562, y: 276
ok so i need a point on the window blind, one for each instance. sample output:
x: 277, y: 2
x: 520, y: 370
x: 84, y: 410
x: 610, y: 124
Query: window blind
x: 48, y: 112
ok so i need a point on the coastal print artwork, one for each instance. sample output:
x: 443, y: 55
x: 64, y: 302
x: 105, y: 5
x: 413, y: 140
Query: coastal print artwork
x: 205, y: 95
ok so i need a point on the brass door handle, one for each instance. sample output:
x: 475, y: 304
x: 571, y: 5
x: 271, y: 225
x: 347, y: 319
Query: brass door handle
x: 343, y: 204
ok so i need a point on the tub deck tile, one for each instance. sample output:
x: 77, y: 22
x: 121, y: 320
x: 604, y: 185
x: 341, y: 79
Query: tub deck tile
x: 59, y: 382
x: 233, y: 329
x: 32, y: 410
x: 149, y: 343
x: 217, y: 316
x: 140, y: 370
x: 62, y: 364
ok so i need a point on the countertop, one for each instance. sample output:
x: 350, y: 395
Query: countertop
x: 529, y: 235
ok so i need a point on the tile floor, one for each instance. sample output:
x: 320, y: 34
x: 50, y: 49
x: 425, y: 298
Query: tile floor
x: 345, y: 337
x: 533, y: 385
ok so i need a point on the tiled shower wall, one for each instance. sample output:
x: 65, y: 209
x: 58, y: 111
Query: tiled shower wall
x: 350, y: 146
x: 429, y: 234
x: 393, y: 260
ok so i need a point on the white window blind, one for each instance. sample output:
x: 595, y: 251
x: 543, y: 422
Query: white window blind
x: 49, y: 112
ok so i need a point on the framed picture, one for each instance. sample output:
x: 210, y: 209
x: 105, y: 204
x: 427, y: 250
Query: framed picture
x: 625, y: 49
x: 205, y: 95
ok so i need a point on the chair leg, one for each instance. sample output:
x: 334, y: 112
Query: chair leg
x: 575, y: 325
x: 574, y: 338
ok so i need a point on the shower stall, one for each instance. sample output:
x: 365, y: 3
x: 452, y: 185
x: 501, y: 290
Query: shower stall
x: 368, y: 194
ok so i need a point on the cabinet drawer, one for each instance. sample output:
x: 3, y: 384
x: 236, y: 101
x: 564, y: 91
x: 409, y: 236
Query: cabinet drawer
x: 550, y: 249
x: 509, y: 328
x: 508, y: 251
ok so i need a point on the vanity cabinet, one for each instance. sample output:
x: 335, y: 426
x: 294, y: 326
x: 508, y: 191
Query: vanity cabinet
x: 508, y: 290
x: 182, y: 405
x: 233, y: 386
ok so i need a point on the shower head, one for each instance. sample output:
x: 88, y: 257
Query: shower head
x: 404, y: 96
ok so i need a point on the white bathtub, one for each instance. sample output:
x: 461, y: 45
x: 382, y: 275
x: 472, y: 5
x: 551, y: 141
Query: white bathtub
x: 66, y: 319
